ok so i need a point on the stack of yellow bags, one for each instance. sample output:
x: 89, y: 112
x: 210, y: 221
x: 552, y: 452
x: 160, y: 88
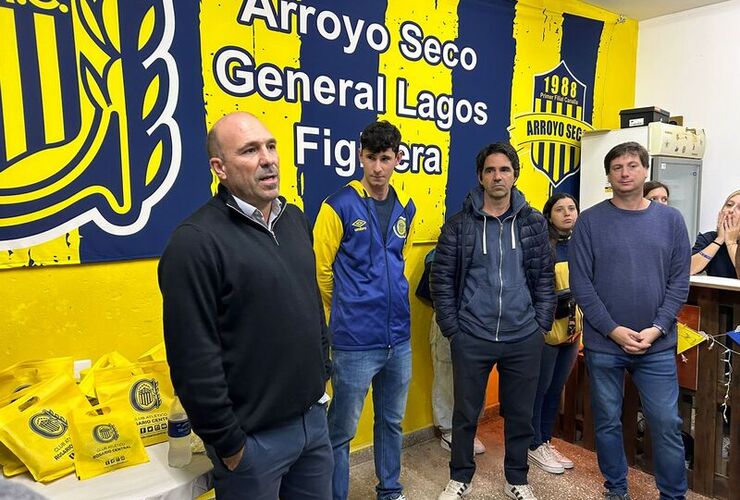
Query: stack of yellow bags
x: 51, y: 426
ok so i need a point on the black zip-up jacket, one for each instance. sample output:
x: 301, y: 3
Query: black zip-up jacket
x: 454, y: 254
x: 244, y: 327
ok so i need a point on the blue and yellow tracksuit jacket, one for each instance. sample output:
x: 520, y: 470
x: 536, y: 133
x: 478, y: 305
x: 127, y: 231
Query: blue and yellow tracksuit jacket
x: 361, y: 276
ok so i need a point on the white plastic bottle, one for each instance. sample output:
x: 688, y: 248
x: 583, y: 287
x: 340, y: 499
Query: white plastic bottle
x: 178, y: 431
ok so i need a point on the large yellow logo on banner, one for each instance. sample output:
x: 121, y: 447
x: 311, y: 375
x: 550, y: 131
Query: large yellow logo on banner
x: 79, y: 144
x: 553, y: 129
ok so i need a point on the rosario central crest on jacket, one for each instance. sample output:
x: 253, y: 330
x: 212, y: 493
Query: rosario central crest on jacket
x: 554, y: 128
x: 80, y: 145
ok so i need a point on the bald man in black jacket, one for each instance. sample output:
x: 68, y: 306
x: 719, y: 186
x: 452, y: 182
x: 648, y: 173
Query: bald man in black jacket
x: 244, y: 327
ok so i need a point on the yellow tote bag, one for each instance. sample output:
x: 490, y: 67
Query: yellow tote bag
x: 149, y: 391
x: 35, y: 427
x: 25, y: 373
x: 105, y: 438
x: 112, y: 359
x: 156, y: 353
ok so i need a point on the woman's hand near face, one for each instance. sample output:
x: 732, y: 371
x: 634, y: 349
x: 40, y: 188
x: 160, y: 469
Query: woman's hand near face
x: 720, y: 227
x: 732, y: 229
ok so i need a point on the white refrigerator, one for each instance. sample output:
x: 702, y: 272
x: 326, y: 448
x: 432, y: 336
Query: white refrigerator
x: 675, y: 160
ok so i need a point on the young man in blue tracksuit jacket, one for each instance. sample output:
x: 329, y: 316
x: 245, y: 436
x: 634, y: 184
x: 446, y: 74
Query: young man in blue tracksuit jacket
x: 493, y: 290
x: 360, y: 239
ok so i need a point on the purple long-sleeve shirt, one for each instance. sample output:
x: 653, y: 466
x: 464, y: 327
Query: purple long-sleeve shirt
x: 629, y: 268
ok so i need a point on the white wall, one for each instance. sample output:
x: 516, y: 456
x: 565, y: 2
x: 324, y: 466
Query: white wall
x: 689, y: 64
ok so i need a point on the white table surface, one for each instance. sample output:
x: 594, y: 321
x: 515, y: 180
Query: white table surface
x: 714, y: 282
x: 152, y: 480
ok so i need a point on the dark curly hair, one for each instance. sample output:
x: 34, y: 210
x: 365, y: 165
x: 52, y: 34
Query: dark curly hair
x: 379, y: 136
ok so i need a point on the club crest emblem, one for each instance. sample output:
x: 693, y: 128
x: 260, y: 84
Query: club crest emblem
x: 552, y: 131
x: 105, y: 433
x: 83, y: 143
x: 144, y: 395
x: 48, y: 424
x: 400, y: 227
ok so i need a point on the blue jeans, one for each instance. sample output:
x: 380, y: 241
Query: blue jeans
x: 654, y: 375
x: 389, y: 372
x: 557, y: 362
x: 292, y: 461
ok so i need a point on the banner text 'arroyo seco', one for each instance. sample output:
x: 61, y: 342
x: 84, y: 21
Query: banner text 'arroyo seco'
x: 414, y: 46
x: 237, y: 73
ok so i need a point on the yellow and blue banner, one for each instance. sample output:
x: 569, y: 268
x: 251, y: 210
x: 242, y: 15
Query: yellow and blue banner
x: 105, y: 104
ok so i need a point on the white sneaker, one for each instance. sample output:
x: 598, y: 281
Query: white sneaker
x: 446, y: 442
x: 478, y: 446
x: 454, y: 490
x: 518, y: 491
x: 566, y: 462
x: 543, y: 458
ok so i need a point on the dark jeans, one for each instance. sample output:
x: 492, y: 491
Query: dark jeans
x: 557, y: 362
x: 292, y: 461
x: 518, y: 366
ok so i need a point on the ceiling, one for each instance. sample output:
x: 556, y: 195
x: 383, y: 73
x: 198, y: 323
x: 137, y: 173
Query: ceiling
x: 646, y: 9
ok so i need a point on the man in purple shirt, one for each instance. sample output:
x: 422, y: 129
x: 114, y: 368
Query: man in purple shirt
x: 629, y: 271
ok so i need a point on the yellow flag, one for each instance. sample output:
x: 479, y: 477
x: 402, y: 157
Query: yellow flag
x: 687, y: 338
x: 208, y: 495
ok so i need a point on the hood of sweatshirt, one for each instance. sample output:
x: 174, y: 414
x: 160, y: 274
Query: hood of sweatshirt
x: 496, y: 302
x: 474, y: 204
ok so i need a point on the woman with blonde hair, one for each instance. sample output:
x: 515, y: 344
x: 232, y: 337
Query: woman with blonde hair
x: 716, y: 251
